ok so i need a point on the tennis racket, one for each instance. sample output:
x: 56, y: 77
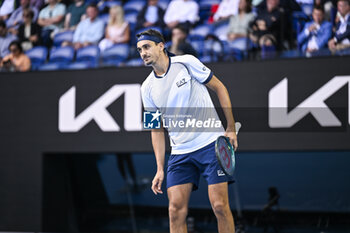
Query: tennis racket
x: 225, y: 155
x: 225, y: 152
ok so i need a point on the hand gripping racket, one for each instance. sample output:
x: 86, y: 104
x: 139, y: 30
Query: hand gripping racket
x: 225, y: 153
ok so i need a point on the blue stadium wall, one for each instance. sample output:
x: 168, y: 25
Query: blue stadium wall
x: 303, y: 151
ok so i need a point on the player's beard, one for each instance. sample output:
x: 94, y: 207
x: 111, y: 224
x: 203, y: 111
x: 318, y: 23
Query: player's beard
x: 149, y: 62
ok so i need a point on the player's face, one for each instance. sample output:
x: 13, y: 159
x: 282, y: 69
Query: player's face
x: 149, y: 51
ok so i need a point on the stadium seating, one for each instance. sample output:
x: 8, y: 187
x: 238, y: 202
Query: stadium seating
x: 133, y: 6
x: 214, y: 49
x: 131, y: 17
x: 197, y: 44
x: 62, y: 55
x: 209, y: 40
x: 78, y: 65
x: 221, y: 31
x: 163, y: 3
x: 115, y: 55
x: 63, y: 36
x: 134, y: 62
x: 307, y: 8
x: 51, y: 66
x: 37, y: 55
x: 89, y: 54
x: 201, y: 30
x: 268, y: 52
x: 108, y: 4
x: 232, y: 52
x: 242, y: 44
x: 104, y: 18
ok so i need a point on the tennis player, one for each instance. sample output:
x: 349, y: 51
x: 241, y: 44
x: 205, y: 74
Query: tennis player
x: 180, y: 81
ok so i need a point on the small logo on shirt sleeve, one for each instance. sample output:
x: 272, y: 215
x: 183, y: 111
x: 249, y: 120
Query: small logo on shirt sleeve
x: 181, y: 82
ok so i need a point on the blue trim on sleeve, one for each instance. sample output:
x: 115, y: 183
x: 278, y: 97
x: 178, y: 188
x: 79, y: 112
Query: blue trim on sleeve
x: 209, y: 78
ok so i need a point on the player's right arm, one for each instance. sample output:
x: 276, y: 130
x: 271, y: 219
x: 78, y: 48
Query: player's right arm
x: 158, y: 138
x: 158, y: 143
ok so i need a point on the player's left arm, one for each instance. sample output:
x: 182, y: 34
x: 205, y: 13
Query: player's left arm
x: 224, y: 98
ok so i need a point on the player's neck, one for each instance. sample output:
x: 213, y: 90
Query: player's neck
x: 162, y: 65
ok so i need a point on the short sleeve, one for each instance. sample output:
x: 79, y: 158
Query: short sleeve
x: 197, y: 69
x: 41, y: 14
x: 61, y: 9
x: 147, y: 101
x: 70, y: 8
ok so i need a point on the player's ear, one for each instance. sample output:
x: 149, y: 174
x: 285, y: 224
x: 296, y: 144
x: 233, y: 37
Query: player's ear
x: 161, y: 46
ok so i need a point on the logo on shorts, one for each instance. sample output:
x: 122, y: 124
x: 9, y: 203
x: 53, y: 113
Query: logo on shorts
x: 151, y: 120
x: 221, y: 173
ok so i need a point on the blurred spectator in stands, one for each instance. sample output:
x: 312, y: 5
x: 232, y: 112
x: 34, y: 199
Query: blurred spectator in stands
x: 51, y: 20
x: 316, y: 33
x: 17, y: 16
x: 307, y: 2
x: 325, y: 2
x: 6, y: 8
x: 117, y: 30
x: 89, y: 31
x: 341, y: 39
x: 16, y: 60
x: 29, y: 31
x: 179, y: 45
x: 184, y: 12
x: 268, y: 25
x: 306, y: 6
x: 103, y: 5
x: 75, y: 13
x: 5, y: 39
x: 38, y: 4
x: 256, y: 3
x: 226, y: 9
x: 151, y: 15
x: 288, y: 6
x: 239, y: 24
x: 329, y: 7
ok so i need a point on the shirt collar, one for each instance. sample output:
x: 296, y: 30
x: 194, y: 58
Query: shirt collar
x: 163, y: 75
x: 344, y: 19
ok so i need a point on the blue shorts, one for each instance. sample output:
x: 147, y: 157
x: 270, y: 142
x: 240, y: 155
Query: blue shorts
x: 187, y: 168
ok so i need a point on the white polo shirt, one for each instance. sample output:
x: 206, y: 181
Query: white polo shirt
x: 181, y: 95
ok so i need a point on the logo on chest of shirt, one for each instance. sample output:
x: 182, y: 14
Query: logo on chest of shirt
x: 181, y: 82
